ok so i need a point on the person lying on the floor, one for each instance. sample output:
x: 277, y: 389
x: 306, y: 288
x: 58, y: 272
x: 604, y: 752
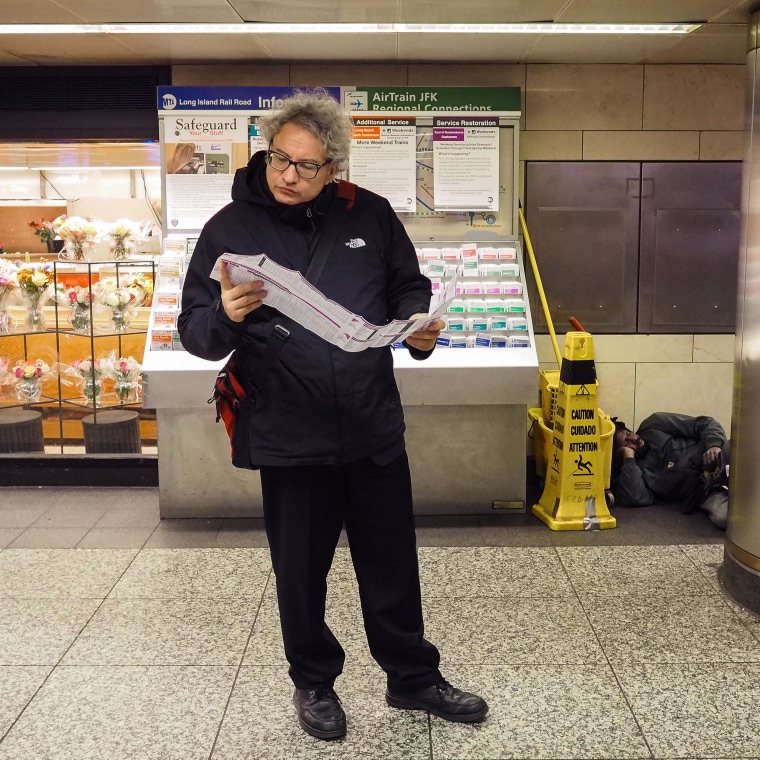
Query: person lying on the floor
x: 672, y: 458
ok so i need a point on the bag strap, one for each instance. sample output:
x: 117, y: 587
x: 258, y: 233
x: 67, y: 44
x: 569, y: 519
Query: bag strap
x: 281, y: 331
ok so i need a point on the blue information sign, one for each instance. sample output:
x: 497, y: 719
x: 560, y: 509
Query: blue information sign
x: 226, y: 98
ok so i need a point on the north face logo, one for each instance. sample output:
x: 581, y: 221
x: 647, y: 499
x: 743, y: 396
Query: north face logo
x: 356, y: 243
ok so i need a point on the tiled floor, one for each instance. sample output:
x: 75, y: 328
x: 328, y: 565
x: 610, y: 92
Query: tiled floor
x: 124, y: 636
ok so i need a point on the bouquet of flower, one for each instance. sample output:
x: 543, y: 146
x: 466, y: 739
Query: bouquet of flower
x: 122, y: 236
x: 126, y: 372
x: 8, y: 283
x: 79, y: 301
x: 88, y: 372
x: 28, y: 376
x: 88, y: 368
x: 76, y: 297
x: 43, y: 229
x: 34, y: 279
x: 121, y: 301
x: 143, y: 281
x: 7, y: 276
x: 78, y: 234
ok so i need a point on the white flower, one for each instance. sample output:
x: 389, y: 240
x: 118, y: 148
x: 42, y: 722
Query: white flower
x: 123, y: 228
x: 111, y: 298
x: 39, y: 278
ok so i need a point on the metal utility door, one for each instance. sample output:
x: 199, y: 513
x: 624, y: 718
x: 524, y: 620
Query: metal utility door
x: 690, y: 216
x: 583, y: 220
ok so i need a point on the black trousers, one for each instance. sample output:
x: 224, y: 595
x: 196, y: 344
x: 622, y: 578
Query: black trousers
x: 304, y: 511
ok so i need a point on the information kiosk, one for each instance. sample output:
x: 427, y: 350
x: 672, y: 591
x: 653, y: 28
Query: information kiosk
x: 446, y: 159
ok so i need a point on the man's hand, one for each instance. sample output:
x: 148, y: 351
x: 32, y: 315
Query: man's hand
x: 628, y: 452
x: 424, y: 340
x: 240, y: 300
x: 711, y: 458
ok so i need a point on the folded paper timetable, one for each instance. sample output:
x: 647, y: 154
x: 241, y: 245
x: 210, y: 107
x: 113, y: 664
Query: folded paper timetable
x: 290, y: 293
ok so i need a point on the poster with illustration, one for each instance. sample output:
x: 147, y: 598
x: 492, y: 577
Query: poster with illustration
x: 201, y: 154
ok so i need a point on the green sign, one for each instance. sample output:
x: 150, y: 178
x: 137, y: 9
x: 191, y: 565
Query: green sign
x: 432, y: 99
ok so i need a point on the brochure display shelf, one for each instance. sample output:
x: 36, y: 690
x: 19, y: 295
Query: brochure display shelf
x: 72, y: 398
x: 465, y: 408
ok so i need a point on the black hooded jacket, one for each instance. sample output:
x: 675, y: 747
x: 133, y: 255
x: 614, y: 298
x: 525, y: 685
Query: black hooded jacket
x: 670, y: 469
x: 318, y: 404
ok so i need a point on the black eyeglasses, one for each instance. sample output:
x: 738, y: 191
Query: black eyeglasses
x: 304, y: 169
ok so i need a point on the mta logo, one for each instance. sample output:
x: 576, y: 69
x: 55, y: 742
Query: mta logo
x: 168, y: 102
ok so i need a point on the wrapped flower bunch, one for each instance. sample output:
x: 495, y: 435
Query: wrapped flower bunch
x: 88, y: 372
x: 126, y: 372
x: 29, y: 375
x: 44, y: 229
x: 79, y: 301
x: 34, y: 281
x: 8, y: 283
x: 78, y: 234
x: 121, y: 300
x: 142, y: 281
x: 123, y: 238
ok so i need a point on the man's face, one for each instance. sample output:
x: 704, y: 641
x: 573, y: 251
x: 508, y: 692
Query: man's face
x: 629, y: 440
x: 298, y: 144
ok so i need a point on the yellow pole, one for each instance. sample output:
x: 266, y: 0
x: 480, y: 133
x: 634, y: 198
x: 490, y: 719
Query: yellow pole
x: 540, y: 287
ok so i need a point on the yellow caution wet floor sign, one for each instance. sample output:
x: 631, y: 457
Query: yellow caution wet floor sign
x: 573, y: 497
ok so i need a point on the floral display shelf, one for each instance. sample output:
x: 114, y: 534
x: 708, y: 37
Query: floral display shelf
x: 89, y: 332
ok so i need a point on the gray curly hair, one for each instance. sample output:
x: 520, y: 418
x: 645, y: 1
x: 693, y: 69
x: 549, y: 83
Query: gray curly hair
x: 318, y: 112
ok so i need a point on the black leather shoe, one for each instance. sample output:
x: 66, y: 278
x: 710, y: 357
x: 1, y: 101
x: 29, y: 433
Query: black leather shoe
x: 444, y: 701
x: 320, y: 713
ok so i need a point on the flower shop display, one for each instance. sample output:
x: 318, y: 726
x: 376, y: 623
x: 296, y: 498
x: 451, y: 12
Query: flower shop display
x: 126, y: 372
x: 79, y: 301
x: 88, y: 372
x: 122, y: 301
x: 79, y: 235
x: 34, y: 282
x: 29, y: 375
x: 8, y: 283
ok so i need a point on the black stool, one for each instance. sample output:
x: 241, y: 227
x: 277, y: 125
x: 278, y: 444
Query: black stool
x: 21, y: 430
x: 112, y: 432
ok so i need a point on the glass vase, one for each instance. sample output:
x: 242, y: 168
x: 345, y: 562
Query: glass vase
x: 29, y: 389
x: 120, y: 319
x: 91, y: 389
x: 76, y: 250
x: 126, y: 391
x: 79, y: 319
x: 6, y: 321
x: 121, y: 249
x: 35, y: 316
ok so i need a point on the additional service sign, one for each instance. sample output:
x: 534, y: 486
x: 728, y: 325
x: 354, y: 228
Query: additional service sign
x: 383, y: 158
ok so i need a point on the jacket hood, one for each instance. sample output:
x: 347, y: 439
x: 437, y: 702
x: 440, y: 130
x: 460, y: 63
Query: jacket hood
x: 250, y: 186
